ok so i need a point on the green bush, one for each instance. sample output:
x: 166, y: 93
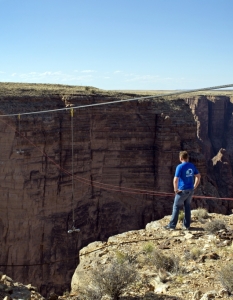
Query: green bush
x: 126, y: 257
x: 148, y: 248
x: 121, y: 257
x: 181, y: 216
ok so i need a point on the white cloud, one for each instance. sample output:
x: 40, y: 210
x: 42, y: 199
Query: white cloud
x: 35, y: 75
x: 88, y: 71
x: 117, y: 72
x: 39, y: 75
x: 53, y: 77
x: 48, y: 73
x: 130, y: 74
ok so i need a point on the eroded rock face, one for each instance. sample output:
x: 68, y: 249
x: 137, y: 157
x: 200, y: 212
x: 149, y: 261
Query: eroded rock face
x: 214, y: 116
x: 132, y: 145
x: 222, y: 171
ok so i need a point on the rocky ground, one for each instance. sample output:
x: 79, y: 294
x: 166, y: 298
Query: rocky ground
x: 199, y: 256
x: 196, y: 258
x: 10, y: 289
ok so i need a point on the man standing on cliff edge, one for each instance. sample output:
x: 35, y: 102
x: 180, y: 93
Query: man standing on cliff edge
x: 185, y: 181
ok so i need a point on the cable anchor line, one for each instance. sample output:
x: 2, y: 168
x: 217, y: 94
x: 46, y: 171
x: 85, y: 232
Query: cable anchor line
x: 73, y: 229
x: 19, y: 151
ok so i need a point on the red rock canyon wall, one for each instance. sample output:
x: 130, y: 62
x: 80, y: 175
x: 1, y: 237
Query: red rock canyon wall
x: 134, y: 144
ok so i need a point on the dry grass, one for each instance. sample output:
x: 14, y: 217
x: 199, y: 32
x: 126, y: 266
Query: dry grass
x: 193, y: 254
x: 215, y: 226
x: 161, y: 261
x: 109, y: 280
x: 226, y: 276
x: 33, y: 89
x: 180, y: 95
x: 36, y: 89
x: 200, y: 213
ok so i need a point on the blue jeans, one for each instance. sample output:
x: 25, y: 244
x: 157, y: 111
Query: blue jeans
x: 182, y: 199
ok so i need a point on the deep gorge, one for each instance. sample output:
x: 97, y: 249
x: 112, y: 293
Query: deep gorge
x: 133, y: 144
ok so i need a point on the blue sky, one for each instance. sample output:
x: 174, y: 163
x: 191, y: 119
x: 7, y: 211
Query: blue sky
x: 117, y: 44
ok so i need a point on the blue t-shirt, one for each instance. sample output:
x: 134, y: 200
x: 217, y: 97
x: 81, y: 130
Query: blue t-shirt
x: 186, y: 171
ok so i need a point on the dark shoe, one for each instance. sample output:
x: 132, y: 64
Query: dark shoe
x: 168, y: 228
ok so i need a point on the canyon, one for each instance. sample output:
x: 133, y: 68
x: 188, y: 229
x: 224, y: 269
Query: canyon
x: 132, y: 145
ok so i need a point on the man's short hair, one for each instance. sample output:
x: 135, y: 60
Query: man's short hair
x: 184, y: 155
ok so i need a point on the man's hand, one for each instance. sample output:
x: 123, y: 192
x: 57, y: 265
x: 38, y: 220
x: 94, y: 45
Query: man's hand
x: 177, y: 191
x: 175, y: 184
x: 197, y: 180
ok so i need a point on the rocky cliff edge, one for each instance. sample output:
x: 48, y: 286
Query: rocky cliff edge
x: 199, y: 255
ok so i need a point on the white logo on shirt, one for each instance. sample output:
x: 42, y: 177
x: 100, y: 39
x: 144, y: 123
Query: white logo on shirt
x: 189, y: 173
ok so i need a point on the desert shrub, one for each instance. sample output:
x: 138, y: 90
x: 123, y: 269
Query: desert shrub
x: 226, y: 277
x: 90, y: 293
x: 181, y: 216
x: 215, y: 226
x: 148, y: 248
x: 126, y: 257
x: 121, y: 257
x: 177, y: 268
x: 200, y: 213
x: 110, y: 280
x: 193, y: 254
x: 168, y: 263
x: 162, y: 261
x: 147, y: 254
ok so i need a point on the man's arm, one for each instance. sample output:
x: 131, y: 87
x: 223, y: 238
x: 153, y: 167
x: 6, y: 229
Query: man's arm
x: 175, y: 184
x: 197, y: 180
